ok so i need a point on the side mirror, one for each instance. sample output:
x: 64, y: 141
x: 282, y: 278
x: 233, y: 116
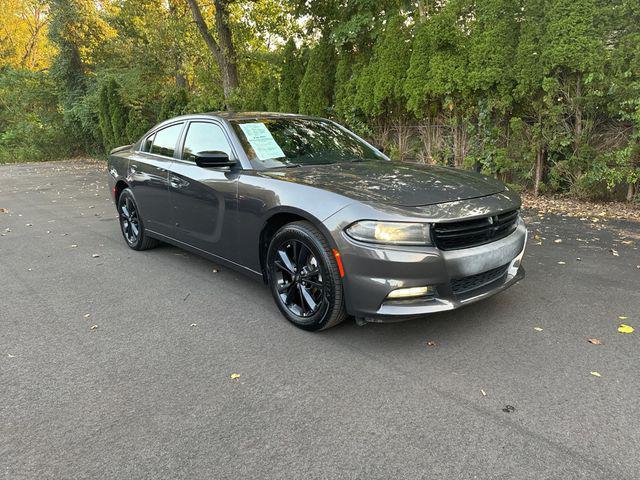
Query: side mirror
x: 213, y: 159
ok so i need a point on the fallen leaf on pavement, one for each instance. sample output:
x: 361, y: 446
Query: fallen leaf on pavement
x: 537, y: 329
x: 193, y: 325
x: 74, y: 246
x: 614, y: 252
x: 93, y: 327
x: 561, y: 263
x: 596, y: 374
x: 484, y: 394
x: 623, y: 328
x: 87, y: 315
x: 557, y: 240
x: 95, y: 255
x: 234, y: 376
x: 215, y: 270
x: 431, y: 343
x: 594, y: 341
x: 622, y: 317
x: 4, y: 210
x: 509, y: 409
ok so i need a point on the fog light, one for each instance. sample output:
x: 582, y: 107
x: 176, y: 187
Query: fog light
x: 411, y: 292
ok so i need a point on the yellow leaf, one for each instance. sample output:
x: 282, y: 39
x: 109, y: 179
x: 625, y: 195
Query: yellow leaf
x: 622, y: 317
x: 234, y: 376
x: 596, y: 374
x: 537, y: 329
x: 623, y: 328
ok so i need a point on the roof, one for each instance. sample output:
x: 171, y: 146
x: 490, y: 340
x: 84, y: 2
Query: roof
x: 249, y: 115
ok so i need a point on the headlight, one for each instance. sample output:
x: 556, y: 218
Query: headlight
x: 394, y: 233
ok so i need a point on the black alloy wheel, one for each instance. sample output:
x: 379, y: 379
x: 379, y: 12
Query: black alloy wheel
x: 304, y: 277
x: 131, y: 223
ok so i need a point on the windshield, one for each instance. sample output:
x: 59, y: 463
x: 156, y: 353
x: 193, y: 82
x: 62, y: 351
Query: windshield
x: 281, y: 142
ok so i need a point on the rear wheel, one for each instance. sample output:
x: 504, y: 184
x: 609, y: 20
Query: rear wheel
x: 304, y: 278
x: 131, y: 223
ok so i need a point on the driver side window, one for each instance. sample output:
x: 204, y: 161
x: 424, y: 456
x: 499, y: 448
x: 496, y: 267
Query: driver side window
x: 204, y: 137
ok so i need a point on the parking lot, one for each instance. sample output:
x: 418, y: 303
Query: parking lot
x: 118, y: 364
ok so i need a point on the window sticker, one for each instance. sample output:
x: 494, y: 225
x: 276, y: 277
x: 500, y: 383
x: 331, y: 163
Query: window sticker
x: 261, y: 141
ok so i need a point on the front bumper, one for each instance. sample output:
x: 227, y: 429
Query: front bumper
x: 373, y: 271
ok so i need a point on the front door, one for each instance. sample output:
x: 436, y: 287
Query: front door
x: 204, y: 200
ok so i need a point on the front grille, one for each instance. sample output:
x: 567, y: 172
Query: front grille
x: 471, y: 233
x: 477, y: 281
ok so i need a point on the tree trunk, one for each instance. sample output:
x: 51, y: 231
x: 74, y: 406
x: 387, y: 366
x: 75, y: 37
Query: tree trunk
x: 631, y: 192
x: 539, y: 169
x: 38, y: 23
x: 179, y: 77
x: 224, y: 52
x: 577, y: 132
x: 228, y: 68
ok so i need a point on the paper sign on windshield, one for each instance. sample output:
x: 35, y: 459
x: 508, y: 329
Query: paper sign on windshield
x: 261, y: 141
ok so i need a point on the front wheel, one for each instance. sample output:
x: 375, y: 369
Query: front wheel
x: 304, y: 278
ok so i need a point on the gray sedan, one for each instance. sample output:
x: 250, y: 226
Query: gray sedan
x: 324, y: 218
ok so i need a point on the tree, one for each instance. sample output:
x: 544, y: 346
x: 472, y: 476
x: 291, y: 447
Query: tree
x: 437, y: 80
x: 223, y: 50
x: 290, y: 77
x: 316, y: 88
x: 23, y: 35
x: 113, y: 116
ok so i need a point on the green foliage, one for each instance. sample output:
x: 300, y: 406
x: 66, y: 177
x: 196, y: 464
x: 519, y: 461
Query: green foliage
x: 437, y: 72
x: 113, y: 115
x: 290, y: 78
x: 316, y: 88
x: 544, y: 94
x: 174, y: 103
x: 380, y: 86
x: 31, y: 127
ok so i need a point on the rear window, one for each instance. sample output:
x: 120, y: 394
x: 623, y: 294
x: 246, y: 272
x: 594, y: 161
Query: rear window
x: 165, y: 140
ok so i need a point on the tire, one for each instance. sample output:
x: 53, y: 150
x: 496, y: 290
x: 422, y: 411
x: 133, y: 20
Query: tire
x: 304, y: 278
x: 131, y: 224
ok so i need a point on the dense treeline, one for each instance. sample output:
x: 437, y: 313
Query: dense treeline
x: 543, y: 93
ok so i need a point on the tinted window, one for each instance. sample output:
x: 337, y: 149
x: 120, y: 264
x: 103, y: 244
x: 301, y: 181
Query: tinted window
x: 204, y: 137
x: 165, y: 140
x: 277, y: 142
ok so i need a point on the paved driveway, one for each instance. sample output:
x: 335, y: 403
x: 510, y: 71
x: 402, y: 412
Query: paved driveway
x: 148, y: 394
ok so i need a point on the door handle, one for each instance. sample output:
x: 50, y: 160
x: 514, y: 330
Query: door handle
x: 177, y: 182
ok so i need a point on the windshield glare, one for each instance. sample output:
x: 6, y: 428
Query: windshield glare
x: 278, y: 142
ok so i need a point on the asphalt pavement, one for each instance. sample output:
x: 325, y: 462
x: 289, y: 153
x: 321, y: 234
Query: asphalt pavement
x: 119, y: 364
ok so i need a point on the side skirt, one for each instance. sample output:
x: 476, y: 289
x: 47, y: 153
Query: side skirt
x: 209, y: 256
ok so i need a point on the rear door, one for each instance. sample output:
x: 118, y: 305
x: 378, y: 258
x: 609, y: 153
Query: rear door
x: 149, y: 177
x: 204, y: 200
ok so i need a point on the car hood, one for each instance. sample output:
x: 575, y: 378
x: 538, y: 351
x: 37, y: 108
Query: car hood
x: 392, y: 183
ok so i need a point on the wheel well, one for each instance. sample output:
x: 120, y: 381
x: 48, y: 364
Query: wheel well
x: 117, y: 190
x: 274, y: 224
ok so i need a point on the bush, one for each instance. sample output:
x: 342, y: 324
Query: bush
x: 31, y: 127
